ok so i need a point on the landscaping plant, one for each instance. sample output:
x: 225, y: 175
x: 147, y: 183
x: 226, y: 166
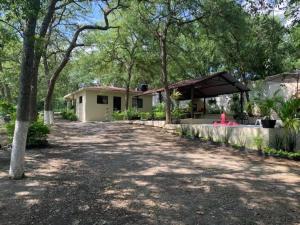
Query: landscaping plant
x: 69, y: 115
x: 287, y: 111
x: 37, y: 133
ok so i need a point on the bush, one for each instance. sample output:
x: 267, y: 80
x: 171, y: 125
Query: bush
x: 282, y: 154
x: 37, y: 133
x: 69, y: 115
x: 177, y: 113
x: 159, y: 115
x: 6, y: 108
x: 131, y: 114
x: 7, y: 111
x: 118, y: 115
x: 145, y: 115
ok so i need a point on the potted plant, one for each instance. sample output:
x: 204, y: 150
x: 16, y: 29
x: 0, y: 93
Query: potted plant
x: 265, y: 107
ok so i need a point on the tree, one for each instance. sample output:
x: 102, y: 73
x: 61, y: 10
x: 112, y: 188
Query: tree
x: 163, y: 17
x: 31, y: 11
x: 48, y: 114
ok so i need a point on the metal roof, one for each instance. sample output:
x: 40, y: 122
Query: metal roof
x: 220, y: 83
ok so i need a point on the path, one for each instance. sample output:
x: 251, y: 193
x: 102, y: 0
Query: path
x: 109, y: 173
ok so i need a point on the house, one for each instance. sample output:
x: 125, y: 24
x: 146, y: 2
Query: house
x: 286, y: 83
x: 98, y: 103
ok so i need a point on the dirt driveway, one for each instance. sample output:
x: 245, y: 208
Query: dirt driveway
x: 108, y: 173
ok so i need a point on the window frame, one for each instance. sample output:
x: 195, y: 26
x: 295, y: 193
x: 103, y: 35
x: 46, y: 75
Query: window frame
x: 80, y: 99
x: 101, y: 97
x: 137, y: 103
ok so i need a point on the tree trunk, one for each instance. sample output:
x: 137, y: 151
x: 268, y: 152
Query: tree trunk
x: 129, y: 72
x: 39, y: 49
x: 127, y: 97
x: 48, y: 112
x: 17, y: 162
x: 164, y: 75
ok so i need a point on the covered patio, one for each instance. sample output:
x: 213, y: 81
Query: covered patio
x: 217, y: 84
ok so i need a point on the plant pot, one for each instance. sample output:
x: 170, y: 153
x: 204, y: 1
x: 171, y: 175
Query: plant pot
x: 268, y: 123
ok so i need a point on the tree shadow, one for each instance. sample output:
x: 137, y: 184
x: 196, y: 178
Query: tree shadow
x: 123, y: 174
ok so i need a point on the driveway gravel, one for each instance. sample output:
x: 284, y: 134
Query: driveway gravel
x: 112, y: 173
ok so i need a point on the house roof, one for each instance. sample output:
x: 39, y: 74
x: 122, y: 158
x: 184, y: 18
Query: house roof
x: 285, y: 77
x: 220, y: 83
x: 103, y: 89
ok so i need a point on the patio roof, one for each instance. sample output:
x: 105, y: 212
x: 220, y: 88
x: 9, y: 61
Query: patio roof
x: 209, y: 86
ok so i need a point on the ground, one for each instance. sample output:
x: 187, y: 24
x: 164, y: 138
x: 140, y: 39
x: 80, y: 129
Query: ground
x: 110, y: 173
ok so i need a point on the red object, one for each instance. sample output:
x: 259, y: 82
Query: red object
x: 223, y: 121
x: 223, y: 118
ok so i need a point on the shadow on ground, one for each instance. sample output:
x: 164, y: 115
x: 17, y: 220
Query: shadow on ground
x: 108, y: 173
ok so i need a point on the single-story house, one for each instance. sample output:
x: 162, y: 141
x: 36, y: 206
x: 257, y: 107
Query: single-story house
x: 286, y: 83
x: 99, y: 102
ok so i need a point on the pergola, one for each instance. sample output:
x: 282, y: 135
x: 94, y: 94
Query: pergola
x: 220, y: 83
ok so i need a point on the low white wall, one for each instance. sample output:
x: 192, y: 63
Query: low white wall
x: 234, y: 135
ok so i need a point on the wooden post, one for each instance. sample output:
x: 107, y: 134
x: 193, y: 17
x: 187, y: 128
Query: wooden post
x: 242, y: 102
x: 192, y: 100
x: 160, y: 97
x: 204, y: 106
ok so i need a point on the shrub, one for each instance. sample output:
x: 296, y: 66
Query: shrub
x: 118, y: 115
x: 37, y: 133
x: 259, y: 142
x: 282, y: 154
x: 177, y: 113
x: 145, y: 115
x: 131, y: 114
x: 159, y: 115
x: 6, y: 108
x: 159, y: 107
x: 69, y: 115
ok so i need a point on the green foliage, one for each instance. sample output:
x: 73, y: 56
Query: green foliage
x: 259, y: 142
x: 118, y: 115
x: 250, y: 108
x: 159, y: 112
x: 177, y: 113
x: 69, y: 115
x: 37, y: 133
x: 282, y: 154
x: 6, y: 108
x: 159, y: 115
x: 235, y: 105
x: 131, y: 114
x: 145, y: 115
x: 288, y: 112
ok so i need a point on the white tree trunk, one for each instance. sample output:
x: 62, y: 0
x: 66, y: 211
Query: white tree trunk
x: 48, y: 117
x: 16, y: 170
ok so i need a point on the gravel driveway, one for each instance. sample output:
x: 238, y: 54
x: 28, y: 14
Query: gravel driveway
x: 109, y: 173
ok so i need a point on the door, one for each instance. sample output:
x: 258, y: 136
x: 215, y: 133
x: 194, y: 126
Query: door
x: 117, y: 103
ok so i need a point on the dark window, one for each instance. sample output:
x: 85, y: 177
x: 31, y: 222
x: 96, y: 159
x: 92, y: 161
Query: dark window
x: 137, y: 103
x: 80, y: 99
x: 102, y: 99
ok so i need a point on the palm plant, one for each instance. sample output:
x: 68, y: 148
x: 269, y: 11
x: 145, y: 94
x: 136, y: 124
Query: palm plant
x: 287, y: 111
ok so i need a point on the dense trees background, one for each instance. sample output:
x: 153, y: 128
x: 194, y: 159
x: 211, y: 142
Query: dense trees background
x: 244, y: 37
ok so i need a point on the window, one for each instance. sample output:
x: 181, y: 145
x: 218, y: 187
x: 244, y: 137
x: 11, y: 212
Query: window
x: 80, y: 99
x: 137, y: 102
x: 102, y: 99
